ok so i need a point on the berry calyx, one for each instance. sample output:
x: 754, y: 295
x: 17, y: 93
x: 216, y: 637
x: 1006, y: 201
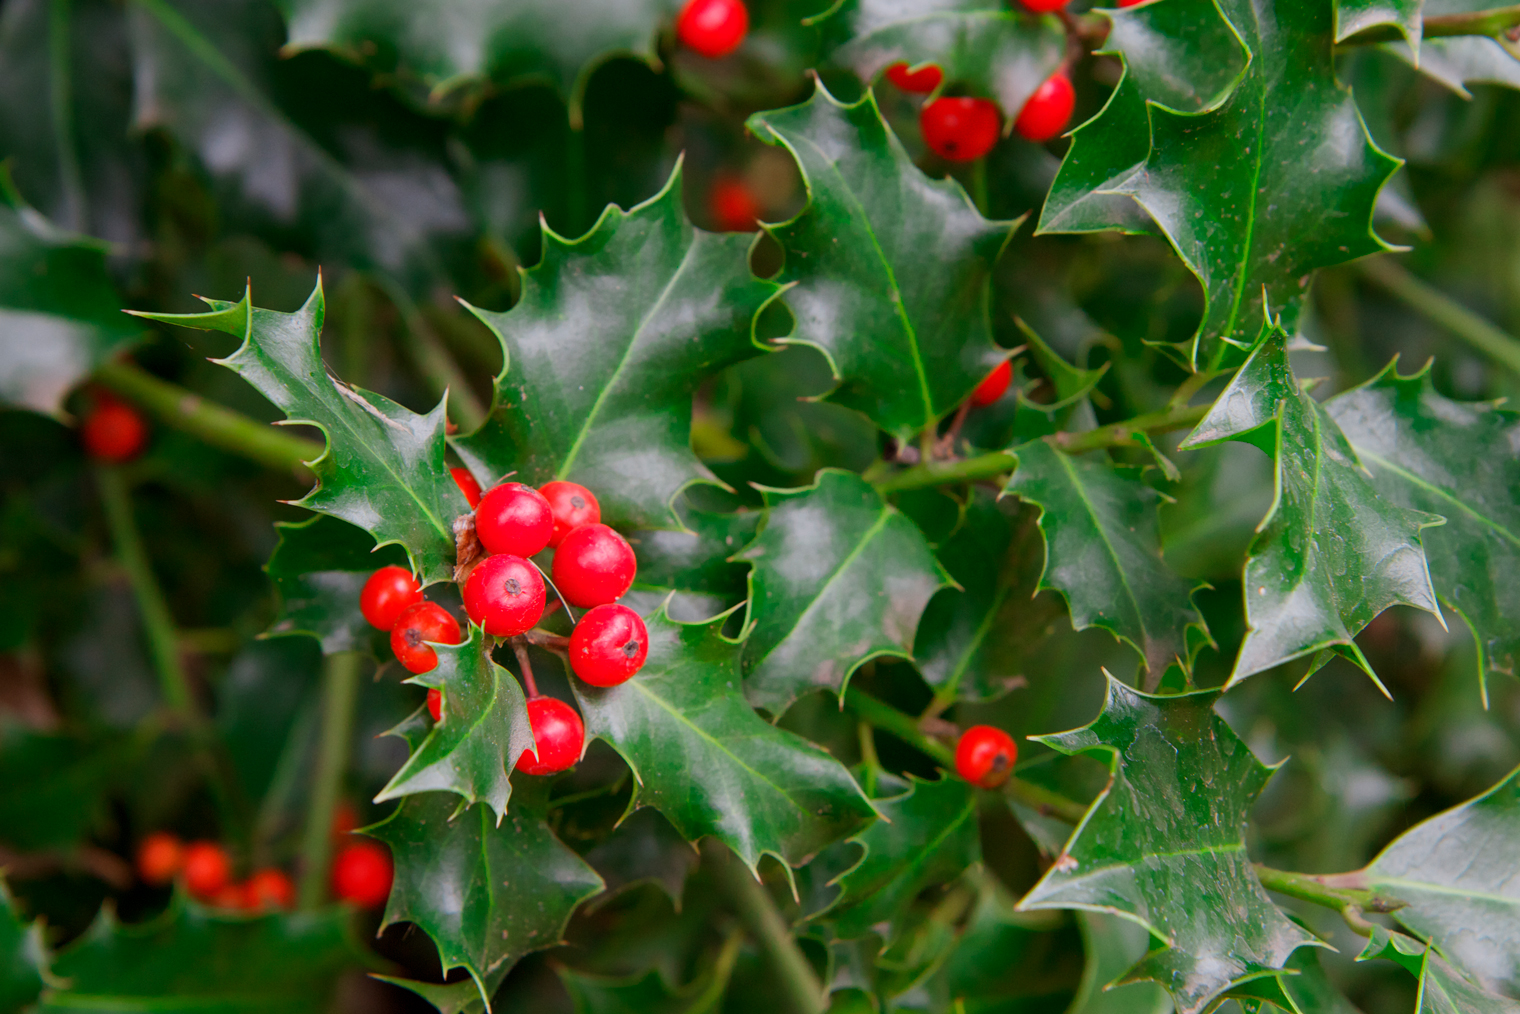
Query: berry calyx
x: 467, y: 484
x: 918, y: 82
x: 425, y: 621
x: 269, y: 889
x: 1043, y: 6
x: 734, y: 206
x: 1048, y: 110
x: 558, y: 736
x: 593, y: 566
x: 160, y: 857
x: 960, y: 129
x: 362, y: 873
x: 993, y: 385
x: 608, y: 645
x: 513, y: 518
x: 113, y: 431
x: 573, y: 506
x: 712, y: 28
x: 207, y: 869
x: 387, y: 594
x: 435, y: 703
x: 984, y: 756
x: 505, y: 595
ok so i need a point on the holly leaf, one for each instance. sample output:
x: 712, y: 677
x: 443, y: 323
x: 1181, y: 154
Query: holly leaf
x: 487, y: 891
x: 1443, y: 988
x: 1164, y: 844
x: 650, y: 993
x: 1103, y: 554
x: 23, y: 956
x: 484, y: 730
x: 927, y: 836
x: 704, y: 759
x: 696, y: 564
x: 906, y: 345
x: 1331, y: 553
x: 604, y: 349
x: 1460, y: 61
x: 644, y: 848
x: 1113, y: 946
x: 384, y: 468
x: 52, y: 786
x: 319, y: 568
x: 840, y: 576
x: 1355, y: 16
x: 980, y: 44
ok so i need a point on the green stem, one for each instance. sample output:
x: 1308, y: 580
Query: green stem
x: 340, y: 693
x: 61, y: 99
x: 753, y: 904
x: 1436, y: 26
x: 1350, y: 902
x: 1441, y: 309
x: 221, y: 427
x: 944, y: 473
x: 435, y: 363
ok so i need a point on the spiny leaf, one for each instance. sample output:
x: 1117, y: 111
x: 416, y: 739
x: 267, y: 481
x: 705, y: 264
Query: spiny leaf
x: 319, y: 569
x: 612, y: 335
x: 23, y: 956
x: 1103, y: 553
x: 1164, y: 845
x: 907, y: 345
x: 650, y: 993
x: 1332, y: 554
x: 1113, y: 946
x: 695, y: 564
x: 1443, y: 988
x: 1355, y: 16
x: 840, y: 576
x: 712, y: 766
x: 383, y: 469
x: 1461, y: 61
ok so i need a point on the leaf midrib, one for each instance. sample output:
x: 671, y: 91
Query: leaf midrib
x: 1416, y: 480
x: 1250, y: 231
x: 1108, y: 546
x: 1443, y: 889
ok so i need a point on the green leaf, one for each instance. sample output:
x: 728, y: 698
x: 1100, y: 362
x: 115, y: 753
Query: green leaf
x: 712, y: 766
x: 190, y: 959
x: 484, y: 730
x: 23, y: 956
x: 1354, y: 16
x: 1457, y: 872
x: 612, y: 335
x: 840, y: 576
x: 383, y: 469
x: 695, y: 564
x: 644, y: 848
x: 1113, y: 946
x: 1443, y: 988
x: 1164, y: 845
x: 1103, y: 554
x: 1331, y: 553
x: 319, y: 569
x: 650, y: 993
x: 1461, y: 61
x: 52, y: 785
x: 486, y: 892
x: 907, y: 345
x: 927, y: 836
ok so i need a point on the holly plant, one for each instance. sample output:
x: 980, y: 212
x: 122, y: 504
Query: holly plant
x: 697, y: 506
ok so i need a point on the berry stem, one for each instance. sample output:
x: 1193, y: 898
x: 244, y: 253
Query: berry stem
x: 755, y: 908
x: 340, y: 695
x: 544, y: 639
x: 520, y: 649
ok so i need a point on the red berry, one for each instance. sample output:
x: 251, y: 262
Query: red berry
x: 558, y: 735
x: 993, y: 385
x: 1130, y: 3
x: 232, y: 896
x: 362, y: 873
x: 734, y: 206
x: 113, y: 431
x: 1048, y: 110
x: 425, y: 621
x: 435, y: 703
x: 985, y: 755
x: 712, y: 28
x: 344, y: 819
x: 467, y: 485
x: 207, y: 869
x: 960, y: 129
x: 919, y: 82
x: 573, y: 506
x: 269, y: 889
x: 594, y: 565
x: 387, y: 594
x: 513, y: 518
x: 160, y: 858
x: 608, y: 645
x: 1043, y: 6
x: 505, y: 595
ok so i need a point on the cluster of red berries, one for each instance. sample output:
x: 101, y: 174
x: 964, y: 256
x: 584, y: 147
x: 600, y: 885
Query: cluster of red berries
x: 504, y: 595
x: 963, y: 128
x: 112, y: 431
x: 984, y: 756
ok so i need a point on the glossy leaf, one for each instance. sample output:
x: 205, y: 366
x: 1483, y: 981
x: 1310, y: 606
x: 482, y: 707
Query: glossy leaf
x: 319, y: 569
x: 840, y: 576
x: 23, y: 956
x: 712, y: 766
x: 383, y: 469
x: 1331, y: 554
x: 643, y: 848
x: 486, y: 893
x: 1354, y: 16
x: 1103, y: 553
x: 1113, y: 946
x: 1443, y: 988
x: 1164, y: 845
x: 906, y: 345
x: 612, y: 335
x: 1462, y: 60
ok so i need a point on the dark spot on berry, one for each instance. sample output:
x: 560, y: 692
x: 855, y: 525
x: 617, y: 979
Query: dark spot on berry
x: 631, y: 648
x: 512, y: 587
x: 577, y: 502
x: 412, y: 636
x: 1000, y: 762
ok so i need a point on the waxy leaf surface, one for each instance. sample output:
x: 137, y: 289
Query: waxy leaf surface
x: 906, y: 344
x: 840, y: 576
x: 1353, y: 16
x: 1165, y: 845
x: 319, y: 569
x: 1443, y: 987
x: 1463, y: 60
x: 23, y: 956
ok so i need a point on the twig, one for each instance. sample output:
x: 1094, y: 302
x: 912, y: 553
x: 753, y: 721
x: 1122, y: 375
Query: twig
x: 520, y: 649
x: 940, y: 473
x: 753, y: 904
x: 1123, y: 434
x: 544, y: 639
x: 340, y: 695
x: 1350, y: 902
x: 1441, y: 309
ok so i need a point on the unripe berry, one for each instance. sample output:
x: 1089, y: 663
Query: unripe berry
x: 993, y: 385
x: 608, y: 645
x: 207, y: 869
x: 985, y: 755
x: 269, y: 889
x: 505, y: 595
x: 1048, y: 110
x: 387, y: 594
x: 918, y: 82
x: 960, y: 129
x: 513, y: 518
x: 113, y: 431
x: 435, y: 703
x: 573, y: 506
x: 712, y: 28
x: 467, y: 485
x: 362, y: 873
x: 425, y: 621
x: 558, y: 736
x: 734, y: 206
x: 594, y: 565
x: 160, y: 858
